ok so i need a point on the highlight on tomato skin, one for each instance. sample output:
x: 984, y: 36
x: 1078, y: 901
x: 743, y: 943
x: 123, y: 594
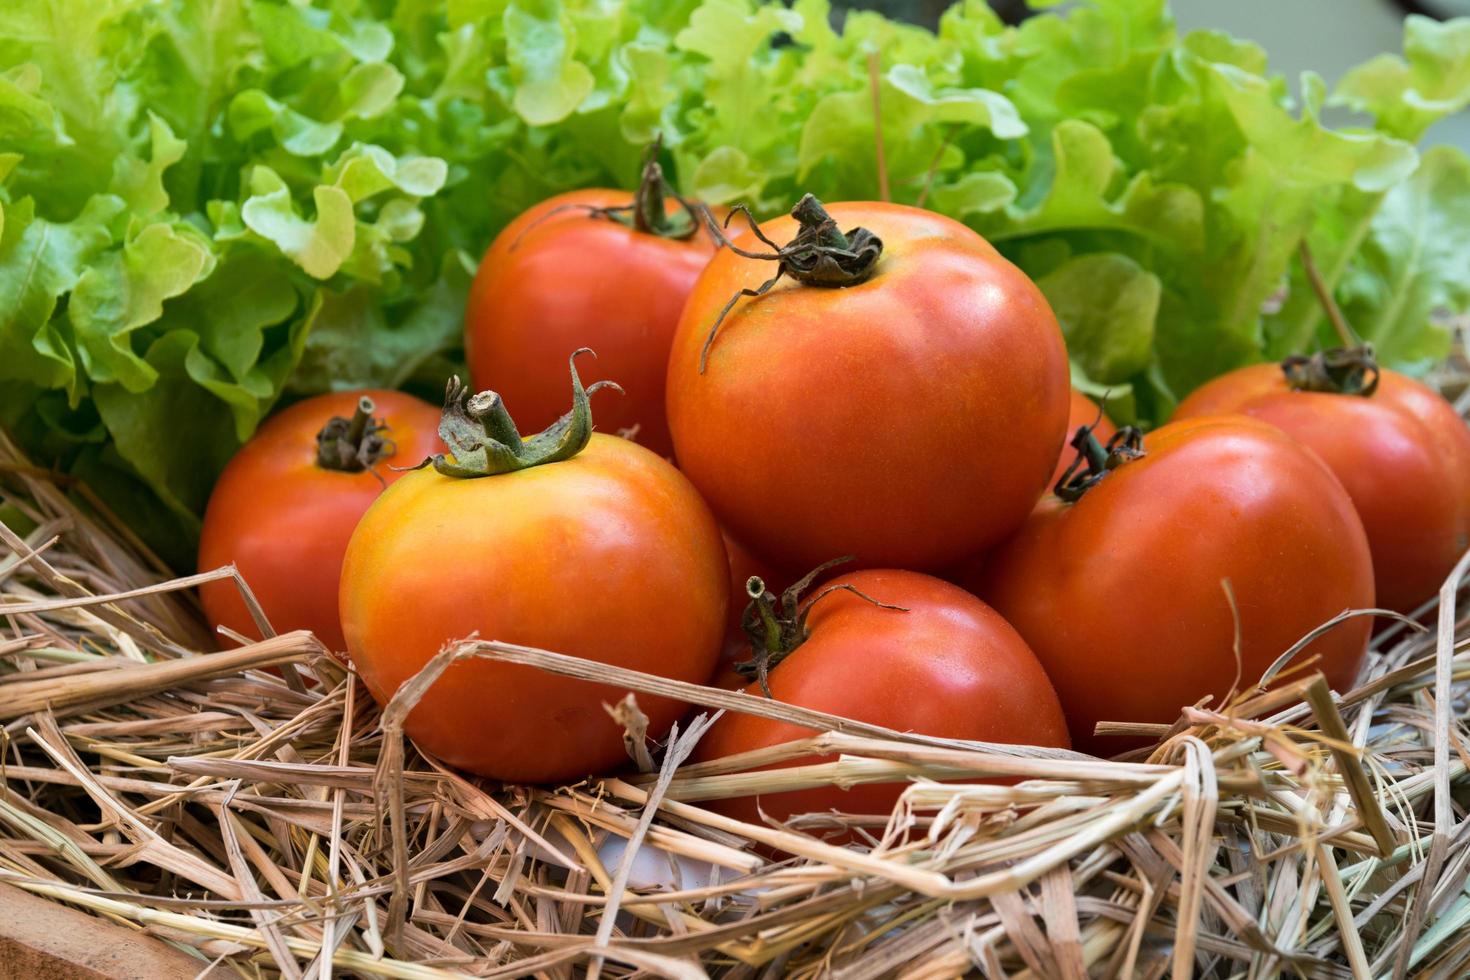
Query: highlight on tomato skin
x: 1402, y: 453
x: 581, y: 543
x: 906, y: 651
x: 1123, y: 596
x: 283, y: 518
x: 871, y: 418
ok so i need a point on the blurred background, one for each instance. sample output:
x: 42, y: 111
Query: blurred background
x: 1325, y: 36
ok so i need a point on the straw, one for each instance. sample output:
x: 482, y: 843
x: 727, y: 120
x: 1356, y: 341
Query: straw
x: 281, y: 824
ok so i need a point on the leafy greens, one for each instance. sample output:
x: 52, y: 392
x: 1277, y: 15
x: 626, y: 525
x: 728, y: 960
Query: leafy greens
x: 209, y: 205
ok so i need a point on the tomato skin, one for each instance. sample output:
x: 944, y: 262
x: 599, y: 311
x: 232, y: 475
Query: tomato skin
x: 1080, y: 411
x: 552, y: 283
x: 909, y: 420
x: 950, y: 666
x: 284, y: 521
x: 1403, y: 455
x: 1120, y: 593
x: 610, y: 556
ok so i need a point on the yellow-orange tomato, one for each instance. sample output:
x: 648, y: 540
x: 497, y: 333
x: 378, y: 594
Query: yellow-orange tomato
x: 910, y: 419
x: 284, y: 519
x: 558, y: 278
x: 945, y: 664
x: 609, y: 555
x: 1120, y: 593
x: 1402, y: 453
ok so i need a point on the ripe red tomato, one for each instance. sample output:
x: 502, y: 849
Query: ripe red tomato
x: 1082, y: 411
x: 284, y: 519
x: 609, y: 555
x: 946, y: 664
x: 1120, y: 593
x: 1403, y: 454
x: 558, y: 278
x: 909, y: 419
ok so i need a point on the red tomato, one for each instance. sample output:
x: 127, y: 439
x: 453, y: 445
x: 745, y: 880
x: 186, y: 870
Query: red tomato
x: 1403, y: 454
x: 948, y: 666
x: 284, y: 519
x: 1120, y: 593
x: 910, y: 419
x: 553, y: 281
x: 608, y: 555
x: 1082, y: 411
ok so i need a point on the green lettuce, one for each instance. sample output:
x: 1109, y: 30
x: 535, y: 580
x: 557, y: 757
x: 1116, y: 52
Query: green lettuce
x: 208, y: 207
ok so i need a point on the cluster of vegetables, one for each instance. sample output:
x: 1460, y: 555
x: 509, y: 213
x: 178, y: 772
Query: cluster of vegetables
x: 851, y: 474
x: 210, y: 209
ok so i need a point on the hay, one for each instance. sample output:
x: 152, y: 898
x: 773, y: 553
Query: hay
x: 265, y: 820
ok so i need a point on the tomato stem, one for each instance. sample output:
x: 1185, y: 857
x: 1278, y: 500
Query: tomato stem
x: 818, y: 255
x: 1337, y: 371
x: 777, y: 626
x: 483, y: 438
x: 1351, y: 369
x: 1345, y: 332
x: 354, y: 444
x: 648, y: 211
x: 1096, y: 460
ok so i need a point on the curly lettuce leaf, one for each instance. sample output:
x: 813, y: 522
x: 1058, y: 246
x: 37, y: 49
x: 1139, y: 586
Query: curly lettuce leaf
x: 210, y: 206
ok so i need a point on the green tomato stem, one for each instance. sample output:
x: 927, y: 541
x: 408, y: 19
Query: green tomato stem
x: 483, y: 439
x: 354, y: 444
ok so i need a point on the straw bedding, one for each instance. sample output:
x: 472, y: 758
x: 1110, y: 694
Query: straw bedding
x: 274, y: 822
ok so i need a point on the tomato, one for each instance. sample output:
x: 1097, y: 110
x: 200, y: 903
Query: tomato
x: 608, y: 554
x: 910, y: 418
x: 945, y: 664
x: 1082, y: 411
x: 1403, y: 454
x: 558, y: 278
x: 1120, y: 593
x: 284, y: 519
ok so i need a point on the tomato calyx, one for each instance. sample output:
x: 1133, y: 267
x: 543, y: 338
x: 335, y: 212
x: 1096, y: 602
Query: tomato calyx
x: 776, y: 625
x: 1096, y: 459
x: 356, y: 444
x: 1350, y: 369
x: 1338, y: 371
x: 820, y: 254
x: 483, y: 439
x: 647, y: 213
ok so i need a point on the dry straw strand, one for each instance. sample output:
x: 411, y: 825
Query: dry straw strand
x: 279, y: 823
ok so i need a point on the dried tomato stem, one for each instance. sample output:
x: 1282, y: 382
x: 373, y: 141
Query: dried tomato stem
x: 351, y: 445
x: 777, y: 626
x: 1345, y: 332
x: 1096, y: 460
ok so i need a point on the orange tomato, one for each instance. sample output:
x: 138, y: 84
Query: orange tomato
x: 609, y: 555
x: 910, y: 419
x: 1120, y: 594
x: 1403, y: 454
x: 284, y: 520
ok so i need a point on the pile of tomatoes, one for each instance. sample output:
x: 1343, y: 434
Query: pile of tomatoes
x: 846, y: 470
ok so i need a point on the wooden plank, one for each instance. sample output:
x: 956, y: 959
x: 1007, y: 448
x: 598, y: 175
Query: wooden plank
x: 41, y: 938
